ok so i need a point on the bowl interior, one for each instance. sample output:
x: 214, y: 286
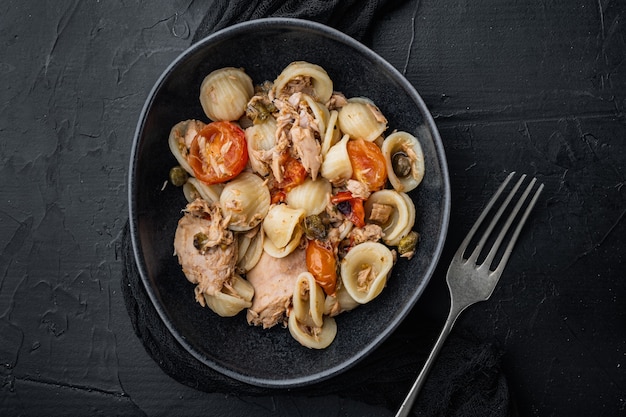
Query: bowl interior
x: 229, y: 345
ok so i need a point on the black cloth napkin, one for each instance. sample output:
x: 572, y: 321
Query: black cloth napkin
x: 353, y: 17
x: 467, y: 379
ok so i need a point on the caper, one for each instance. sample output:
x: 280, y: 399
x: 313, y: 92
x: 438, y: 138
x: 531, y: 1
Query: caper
x: 314, y: 227
x: 401, y: 164
x: 199, y: 240
x: 408, y: 243
x: 178, y: 176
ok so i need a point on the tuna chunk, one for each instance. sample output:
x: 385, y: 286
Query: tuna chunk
x: 274, y: 280
x: 206, y: 249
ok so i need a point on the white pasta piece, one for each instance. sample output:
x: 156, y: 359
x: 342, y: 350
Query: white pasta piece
x: 339, y: 302
x: 400, y: 214
x: 403, y: 145
x: 210, y: 193
x: 225, y: 92
x: 180, y: 138
x: 332, y: 134
x: 281, y: 223
x: 320, y: 113
x: 361, y: 119
x: 232, y: 298
x: 261, y: 138
x: 299, y: 72
x: 336, y: 165
x: 251, y: 251
x: 310, y: 336
x: 293, y: 244
x: 246, y: 200
x: 364, y: 270
x: 190, y: 192
x: 308, y: 300
x: 312, y: 196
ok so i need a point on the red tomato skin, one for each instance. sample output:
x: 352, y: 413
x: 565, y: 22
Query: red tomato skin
x: 368, y: 163
x: 217, y: 136
x: 322, y: 264
x: 357, y: 210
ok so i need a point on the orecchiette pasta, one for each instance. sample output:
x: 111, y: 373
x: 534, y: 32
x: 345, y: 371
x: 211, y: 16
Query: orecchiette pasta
x: 393, y: 211
x: 281, y: 223
x: 261, y: 139
x: 288, y: 187
x: 210, y: 193
x: 180, y: 138
x: 336, y: 166
x: 246, y: 199
x: 405, y: 161
x: 299, y: 73
x: 225, y: 92
x: 250, y: 249
x: 332, y: 134
x: 232, y: 298
x: 312, y: 196
x: 307, y: 323
x: 364, y: 270
x: 361, y: 119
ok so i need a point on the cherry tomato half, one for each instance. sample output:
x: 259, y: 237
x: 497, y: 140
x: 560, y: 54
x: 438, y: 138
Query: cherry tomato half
x: 294, y: 173
x: 218, y: 153
x: 350, y: 206
x: 322, y: 264
x: 368, y: 163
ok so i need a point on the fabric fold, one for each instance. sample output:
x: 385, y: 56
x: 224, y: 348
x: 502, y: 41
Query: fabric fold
x: 353, y: 17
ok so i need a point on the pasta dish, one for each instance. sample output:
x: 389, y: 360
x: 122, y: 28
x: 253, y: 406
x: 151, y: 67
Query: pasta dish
x: 297, y: 205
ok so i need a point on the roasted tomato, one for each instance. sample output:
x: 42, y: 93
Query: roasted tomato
x: 350, y: 206
x: 294, y: 173
x: 322, y: 264
x: 218, y: 153
x: 368, y: 163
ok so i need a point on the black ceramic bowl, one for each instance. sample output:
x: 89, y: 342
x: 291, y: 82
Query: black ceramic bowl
x: 272, y: 358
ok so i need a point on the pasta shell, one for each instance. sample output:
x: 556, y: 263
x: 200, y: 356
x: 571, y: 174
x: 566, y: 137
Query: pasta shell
x: 336, y: 166
x: 393, y: 211
x: 311, y: 336
x: 210, y: 193
x: 281, y: 223
x: 250, y: 250
x: 364, y: 270
x: 339, y: 302
x: 361, y: 119
x: 312, y: 196
x: 308, y: 300
x: 180, y: 138
x: 246, y: 199
x: 320, y: 113
x: 232, y: 298
x: 322, y: 85
x: 403, y: 145
x: 293, y: 244
x: 261, y: 138
x: 332, y: 134
x: 224, y: 94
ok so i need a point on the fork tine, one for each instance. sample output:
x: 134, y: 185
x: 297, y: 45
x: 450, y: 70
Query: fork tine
x: 479, y: 247
x: 509, y: 222
x: 481, y: 218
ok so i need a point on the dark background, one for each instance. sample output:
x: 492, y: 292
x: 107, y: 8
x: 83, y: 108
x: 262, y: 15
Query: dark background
x: 533, y: 86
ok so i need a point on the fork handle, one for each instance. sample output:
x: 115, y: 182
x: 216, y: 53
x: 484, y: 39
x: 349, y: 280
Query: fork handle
x: 407, y: 404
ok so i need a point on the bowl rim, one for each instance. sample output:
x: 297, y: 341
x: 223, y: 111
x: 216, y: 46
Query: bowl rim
x: 428, y: 121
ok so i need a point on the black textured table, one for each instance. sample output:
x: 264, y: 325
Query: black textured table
x: 528, y: 86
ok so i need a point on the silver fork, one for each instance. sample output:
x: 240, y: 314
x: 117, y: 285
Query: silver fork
x: 470, y: 281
